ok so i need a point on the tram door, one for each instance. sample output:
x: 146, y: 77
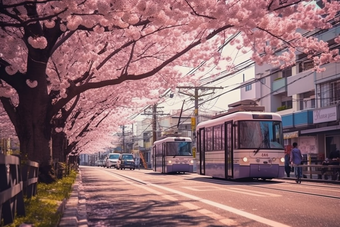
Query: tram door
x: 163, y: 156
x: 201, y: 150
x: 228, y: 148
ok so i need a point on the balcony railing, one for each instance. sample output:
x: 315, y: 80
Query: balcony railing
x: 296, y: 119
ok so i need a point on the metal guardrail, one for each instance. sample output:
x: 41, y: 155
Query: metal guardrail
x: 16, y: 180
x: 317, y: 171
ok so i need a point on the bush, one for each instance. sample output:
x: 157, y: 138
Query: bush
x: 281, y: 108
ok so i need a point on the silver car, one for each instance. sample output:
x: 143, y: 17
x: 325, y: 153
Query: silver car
x: 111, y: 160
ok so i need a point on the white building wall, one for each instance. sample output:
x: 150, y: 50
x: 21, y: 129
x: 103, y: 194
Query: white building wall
x: 248, y: 94
x: 300, y: 83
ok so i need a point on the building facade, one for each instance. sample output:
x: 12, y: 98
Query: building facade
x: 308, y: 101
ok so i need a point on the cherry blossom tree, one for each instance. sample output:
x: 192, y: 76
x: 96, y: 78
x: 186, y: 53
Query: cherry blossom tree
x: 52, y: 51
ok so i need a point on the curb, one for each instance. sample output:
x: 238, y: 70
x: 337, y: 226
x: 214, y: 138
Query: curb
x: 75, y: 208
x: 313, y: 180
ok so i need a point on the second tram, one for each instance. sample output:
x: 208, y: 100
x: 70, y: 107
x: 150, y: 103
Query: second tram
x: 241, y: 145
x: 172, y: 155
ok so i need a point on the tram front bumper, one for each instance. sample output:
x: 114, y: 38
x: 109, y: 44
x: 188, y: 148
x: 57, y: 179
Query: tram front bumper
x: 179, y: 168
x: 259, y: 171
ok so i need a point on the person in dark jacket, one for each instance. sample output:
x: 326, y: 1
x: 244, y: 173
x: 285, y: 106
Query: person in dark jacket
x: 296, y: 159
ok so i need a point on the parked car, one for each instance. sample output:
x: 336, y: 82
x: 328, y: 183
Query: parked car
x: 99, y: 162
x: 111, y: 160
x: 126, y: 160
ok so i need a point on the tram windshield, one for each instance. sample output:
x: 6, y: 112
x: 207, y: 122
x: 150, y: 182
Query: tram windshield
x: 178, y: 148
x: 260, y: 134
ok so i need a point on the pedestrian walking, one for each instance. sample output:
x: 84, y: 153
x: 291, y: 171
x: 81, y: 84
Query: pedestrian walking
x: 296, y: 160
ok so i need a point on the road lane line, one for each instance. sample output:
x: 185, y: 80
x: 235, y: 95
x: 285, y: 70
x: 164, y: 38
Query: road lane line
x: 225, y: 221
x: 236, y: 190
x: 217, y: 217
x: 224, y: 207
x: 241, y: 192
x: 218, y: 205
x: 263, y: 193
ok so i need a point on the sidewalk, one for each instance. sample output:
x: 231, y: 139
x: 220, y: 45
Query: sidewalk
x: 74, y: 213
x: 314, y: 178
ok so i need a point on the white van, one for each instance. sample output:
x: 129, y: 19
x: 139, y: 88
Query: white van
x: 111, y: 160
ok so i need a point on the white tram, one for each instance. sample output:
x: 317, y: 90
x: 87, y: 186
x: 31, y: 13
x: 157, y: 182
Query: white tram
x: 241, y: 145
x: 172, y: 155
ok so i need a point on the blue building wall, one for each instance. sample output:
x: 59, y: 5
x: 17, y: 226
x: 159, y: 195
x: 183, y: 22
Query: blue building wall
x: 298, y: 119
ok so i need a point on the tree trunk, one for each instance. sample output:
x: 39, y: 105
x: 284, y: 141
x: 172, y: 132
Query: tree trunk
x: 34, y: 145
x: 32, y: 124
x: 58, y: 146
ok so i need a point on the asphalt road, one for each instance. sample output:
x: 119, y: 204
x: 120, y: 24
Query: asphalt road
x: 145, y: 198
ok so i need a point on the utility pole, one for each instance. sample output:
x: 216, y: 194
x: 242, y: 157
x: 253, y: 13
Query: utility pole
x: 123, y: 134
x: 155, y: 112
x: 154, y: 123
x: 196, y: 96
x: 194, y: 120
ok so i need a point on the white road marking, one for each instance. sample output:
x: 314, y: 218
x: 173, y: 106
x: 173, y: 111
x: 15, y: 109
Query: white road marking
x: 224, y: 207
x: 241, y: 192
x: 209, y: 202
x: 231, y: 189
x: 223, y: 220
x: 202, y: 188
x: 210, y: 214
x: 263, y: 193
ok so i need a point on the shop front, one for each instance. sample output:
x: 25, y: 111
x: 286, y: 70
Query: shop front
x: 326, y: 130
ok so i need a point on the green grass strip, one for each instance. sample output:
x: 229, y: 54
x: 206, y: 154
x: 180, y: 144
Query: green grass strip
x: 42, y: 209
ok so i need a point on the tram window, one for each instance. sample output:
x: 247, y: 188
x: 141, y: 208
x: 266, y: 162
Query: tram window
x: 217, y: 138
x: 236, y: 134
x: 208, y: 139
x: 178, y: 148
x: 260, y: 134
x: 184, y: 148
x: 277, y: 134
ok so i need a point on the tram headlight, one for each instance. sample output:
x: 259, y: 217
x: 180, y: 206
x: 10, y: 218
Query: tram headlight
x: 273, y: 159
x: 192, y: 161
x: 169, y: 161
x: 282, y: 159
x: 245, y: 159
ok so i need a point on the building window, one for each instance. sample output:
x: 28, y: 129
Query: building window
x: 303, y: 66
x: 307, y: 103
x: 335, y: 92
x: 248, y: 87
x: 330, y: 93
x: 287, y: 72
x: 288, y: 104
